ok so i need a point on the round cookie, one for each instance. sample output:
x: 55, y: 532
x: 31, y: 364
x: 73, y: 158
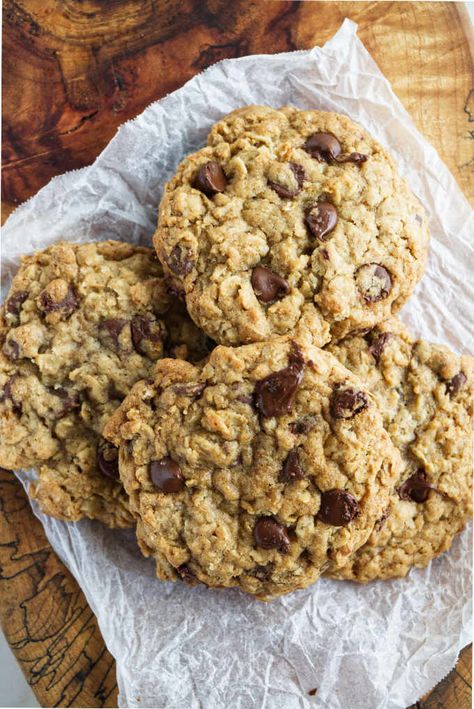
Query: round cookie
x: 425, y: 394
x: 81, y: 324
x: 255, y: 469
x: 290, y: 221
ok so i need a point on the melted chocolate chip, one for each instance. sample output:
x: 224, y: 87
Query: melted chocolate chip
x: 185, y: 574
x: 325, y: 147
x: 107, y: 460
x: 321, y: 218
x: 373, y: 281
x: 356, y: 158
x: 70, y: 399
x: 145, y: 330
x: 303, y: 425
x: 11, y: 349
x: 338, y: 508
x: 274, y: 395
x: 454, y: 384
x: 189, y: 389
x: 263, y: 573
x: 67, y: 305
x: 347, y: 403
x: 415, y: 488
x: 377, y: 345
x: 166, y: 475
x: 270, y: 534
x: 179, y: 262
x: 8, y: 395
x: 15, y: 301
x: 381, y: 521
x: 110, y: 330
x: 210, y: 179
x: 291, y: 469
x: 267, y: 285
x: 285, y: 192
x: 325, y: 254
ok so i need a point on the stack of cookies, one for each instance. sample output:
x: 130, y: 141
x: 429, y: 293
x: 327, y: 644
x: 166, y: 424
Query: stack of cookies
x: 242, y: 393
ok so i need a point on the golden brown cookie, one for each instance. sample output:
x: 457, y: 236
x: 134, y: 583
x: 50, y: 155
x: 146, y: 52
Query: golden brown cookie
x: 256, y: 469
x: 290, y: 221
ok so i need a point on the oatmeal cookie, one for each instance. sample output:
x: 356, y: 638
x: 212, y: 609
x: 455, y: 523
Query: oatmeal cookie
x: 81, y: 324
x: 255, y: 469
x: 290, y: 221
x: 425, y: 393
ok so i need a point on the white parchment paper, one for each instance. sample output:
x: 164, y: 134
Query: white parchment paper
x: 379, y: 646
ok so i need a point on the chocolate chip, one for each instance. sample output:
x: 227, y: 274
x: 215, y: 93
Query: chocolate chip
x: 381, y: 521
x: 321, y: 218
x: 210, y: 179
x: 166, y: 475
x: 8, y: 395
x: 338, y: 508
x: 147, y: 331
x: 107, y: 460
x: 67, y: 305
x: 15, y: 301
x: 274, y: 395
x: 185, y: 574
x: 325, y: 147
x: 263, y: 573
x: 189, y: 389
x: 303, y: 425
x: 291, y: 469
x: 70, y: 399
x: 356, y: 158
x: 110, y: 330
x: 415, y: 488
x: 347, y: 403
x: 325, y: 254
x: 373, y: 281
x: 11, y: 349
x: 285, y: 192
x: 179, y: 262
x: 312, y: 692
x: 454, y: 384
x: 377, y: 345
x: 270, y: 534
x: 267, y: 285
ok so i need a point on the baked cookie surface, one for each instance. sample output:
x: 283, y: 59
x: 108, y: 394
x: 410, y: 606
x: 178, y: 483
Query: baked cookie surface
x: 290, y: 221
x: 81, y: 324
x: 255, y: 469
x: 425, y: 393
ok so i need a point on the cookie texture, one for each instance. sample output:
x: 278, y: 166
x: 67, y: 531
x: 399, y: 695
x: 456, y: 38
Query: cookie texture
x: 425, y: 393
x: 81, y: 324
x: 256, y: 469
x: 287, y: 222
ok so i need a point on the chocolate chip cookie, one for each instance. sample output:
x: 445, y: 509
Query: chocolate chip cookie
x: 81, y: 324
x: 425, y: 394
x: 290, y: 221
x: 256, y: 469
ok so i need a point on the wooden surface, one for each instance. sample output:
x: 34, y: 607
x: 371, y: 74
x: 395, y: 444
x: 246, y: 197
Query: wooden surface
x: 74, y: 70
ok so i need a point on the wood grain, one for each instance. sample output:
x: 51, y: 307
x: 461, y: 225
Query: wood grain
x: 44, y: 614
x: 73, y: 71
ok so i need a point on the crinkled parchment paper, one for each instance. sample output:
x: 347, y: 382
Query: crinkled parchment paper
x: 382, y: 645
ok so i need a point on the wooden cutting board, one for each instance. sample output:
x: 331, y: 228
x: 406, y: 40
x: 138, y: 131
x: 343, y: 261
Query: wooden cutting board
x: 73, y: 71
